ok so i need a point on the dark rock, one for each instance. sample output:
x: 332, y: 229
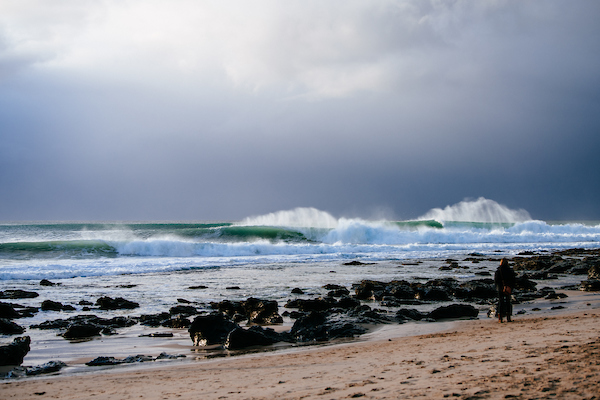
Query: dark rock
x: 185, y: 311
x: 154, y: 320
x: 85, y: 303
x: 183, y: 301
x: 331, y: 286
x: 199, y: 287
x: 108, y: 303
x: 262, y: 311
x: 46, y: 368
x: 591, y: 285
x: 256, y: 311
x: 369, y: 290
x: 344, y: 329
x: 55, y: 324
x: 99, y: 361
x: 594, y: 271
x: 7, y: 327
x: 240, y: 338
x: 316, y: 327
x: 338, y: 292
x: 432, y: 294
x: 405, y: 314
x: 368, y: 316
x: 228, y: 307
x: 297, y: 291
x: 49, y: 305
x: 454, y: 311
x: 158, y: 334
x: 310, y: 327
x: 525, y: 284
x: 165, y: 356
x: 347, y: 302
x: 116, y: 322
x: 13, y: 353
x: 556, y: 296
x: 308, y: 305
x: 8, y: 311
x: 17, y: 294
x: 81, y: 331
x: 399, y: 290
x: 210, y: 329
x: 535, y: 263
x: 232, y: 288
x: 357, y: 263
x: 46, y: 282
x: 137, y: 359
x: 178, y: 322
x: 479, y: 289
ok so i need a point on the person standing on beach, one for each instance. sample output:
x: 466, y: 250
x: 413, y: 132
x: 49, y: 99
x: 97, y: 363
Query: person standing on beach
x: 505, y: 282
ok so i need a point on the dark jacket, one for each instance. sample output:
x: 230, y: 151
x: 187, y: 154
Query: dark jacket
x: 505, y: 276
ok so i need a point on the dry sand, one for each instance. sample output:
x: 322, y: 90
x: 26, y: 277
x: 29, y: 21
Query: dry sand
x: 534, y: 357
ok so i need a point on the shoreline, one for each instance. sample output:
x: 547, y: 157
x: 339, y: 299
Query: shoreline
x: 128, y: 342
x: 547, y: 353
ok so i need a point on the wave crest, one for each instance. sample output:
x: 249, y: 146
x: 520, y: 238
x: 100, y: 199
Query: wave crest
x: 301, y: 217
x: 480, y: 210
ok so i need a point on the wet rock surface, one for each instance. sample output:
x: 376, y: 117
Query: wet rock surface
x: 321, y: 314
x: 13, y: 353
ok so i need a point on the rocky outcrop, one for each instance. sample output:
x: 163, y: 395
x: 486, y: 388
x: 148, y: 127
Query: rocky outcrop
x: 316, y: 326
x: 102, y: 361
x: 454, y: 311
x: 49, y: 305
x: 256, y: 311
x: 594, y: 271
x: 240, y: 338
x: 81, y: 331
x: 262, y: 312
x: 476, y: 289
x: 18, y: 294
x: 211, y: 329
x: 46, y: 282
x: 8, y: 327
x: 13, y: 353
x: 591, y: 285
x: 108, y: 303
x: 8, y: 311
x: 409, y: 314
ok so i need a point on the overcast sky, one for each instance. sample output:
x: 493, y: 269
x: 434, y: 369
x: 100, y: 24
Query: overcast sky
x: 211, y: 110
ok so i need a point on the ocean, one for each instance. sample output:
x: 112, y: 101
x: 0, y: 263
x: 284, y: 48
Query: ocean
x: 157, y: 264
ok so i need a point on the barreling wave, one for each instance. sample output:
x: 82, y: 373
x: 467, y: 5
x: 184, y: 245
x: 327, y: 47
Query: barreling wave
x: 300, y: 235
x: 350, y: 235
x: 57, y: 249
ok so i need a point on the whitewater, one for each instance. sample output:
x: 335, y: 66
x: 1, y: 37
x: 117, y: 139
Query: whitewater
x: 37, y: 251
x: 162, y: 264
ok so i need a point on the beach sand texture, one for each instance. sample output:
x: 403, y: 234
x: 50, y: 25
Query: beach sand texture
x: 533, y: 357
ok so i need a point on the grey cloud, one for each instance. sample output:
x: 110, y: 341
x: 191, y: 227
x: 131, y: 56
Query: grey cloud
x: 403, y: 106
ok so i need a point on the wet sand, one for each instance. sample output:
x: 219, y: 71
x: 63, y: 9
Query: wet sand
x: 545, y: 354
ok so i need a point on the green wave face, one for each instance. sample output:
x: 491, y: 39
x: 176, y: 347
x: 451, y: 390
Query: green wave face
x: 57, y: 249
x: 419, y: 224
x: 249, y: 233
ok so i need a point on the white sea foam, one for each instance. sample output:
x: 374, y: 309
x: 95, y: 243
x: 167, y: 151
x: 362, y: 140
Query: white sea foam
x: 480, y: 210
x: 302, y: 217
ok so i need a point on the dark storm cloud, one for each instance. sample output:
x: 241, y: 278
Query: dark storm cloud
x: 197, y: 111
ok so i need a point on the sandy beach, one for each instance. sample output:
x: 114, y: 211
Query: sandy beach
x: 554, y: 355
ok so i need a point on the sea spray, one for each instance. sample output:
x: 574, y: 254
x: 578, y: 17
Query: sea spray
x: 480, y: 210
x: 298, y: 236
